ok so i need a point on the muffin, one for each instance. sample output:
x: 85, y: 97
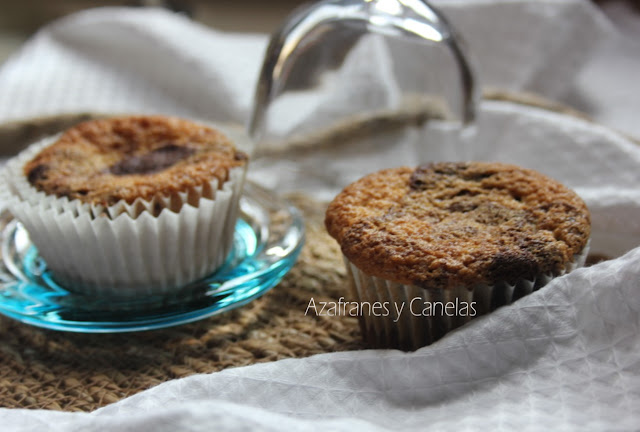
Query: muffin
x: 129, y: 206
x: 442, y: 243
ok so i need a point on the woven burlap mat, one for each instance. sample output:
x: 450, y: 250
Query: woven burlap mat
x: 81, y: 372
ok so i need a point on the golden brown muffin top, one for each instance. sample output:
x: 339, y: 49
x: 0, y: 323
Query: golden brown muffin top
x: 125, y: 158
x: 448, y: 224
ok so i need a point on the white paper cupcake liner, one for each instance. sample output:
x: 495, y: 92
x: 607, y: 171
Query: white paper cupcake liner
x: 128, y: 250
x: 425, y: 317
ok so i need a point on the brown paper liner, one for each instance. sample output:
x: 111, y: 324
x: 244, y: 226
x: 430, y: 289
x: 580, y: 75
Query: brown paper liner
x: 419, y: 316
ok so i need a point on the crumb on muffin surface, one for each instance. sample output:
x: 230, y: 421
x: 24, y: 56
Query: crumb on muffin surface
x: 447, y: 224
x: 126, y: 158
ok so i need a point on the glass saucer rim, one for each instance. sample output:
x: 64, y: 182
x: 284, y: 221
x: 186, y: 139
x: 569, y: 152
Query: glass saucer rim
x: 267, y: 277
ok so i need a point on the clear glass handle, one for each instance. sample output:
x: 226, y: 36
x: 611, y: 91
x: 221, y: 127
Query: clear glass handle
x: 337, y: 63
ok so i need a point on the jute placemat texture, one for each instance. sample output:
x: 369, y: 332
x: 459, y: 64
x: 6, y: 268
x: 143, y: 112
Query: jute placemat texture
x: 79, y: 372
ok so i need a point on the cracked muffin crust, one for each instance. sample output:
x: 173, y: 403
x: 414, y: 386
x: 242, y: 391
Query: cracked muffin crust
x: 126, y: 158
x: 443, y: 225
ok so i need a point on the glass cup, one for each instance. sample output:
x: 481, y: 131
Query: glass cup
x: 348, y: 87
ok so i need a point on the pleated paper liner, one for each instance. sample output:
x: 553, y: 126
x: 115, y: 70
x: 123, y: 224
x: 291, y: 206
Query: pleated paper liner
x: 407, y: 317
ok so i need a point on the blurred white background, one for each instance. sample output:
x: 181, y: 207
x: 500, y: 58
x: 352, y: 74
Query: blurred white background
x: 20, y: 19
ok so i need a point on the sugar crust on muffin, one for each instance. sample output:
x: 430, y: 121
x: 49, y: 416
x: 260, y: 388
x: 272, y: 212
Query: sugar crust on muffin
x: 126, y: 158
x: 449, y: 224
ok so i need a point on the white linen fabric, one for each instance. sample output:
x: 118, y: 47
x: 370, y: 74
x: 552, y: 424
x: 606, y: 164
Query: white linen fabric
x: 563, y: 358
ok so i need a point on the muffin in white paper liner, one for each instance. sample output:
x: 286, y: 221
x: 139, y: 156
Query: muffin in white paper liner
x: 127, y: 250
x: 416, y: 325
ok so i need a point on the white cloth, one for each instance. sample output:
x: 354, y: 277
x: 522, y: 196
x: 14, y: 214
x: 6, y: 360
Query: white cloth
x: 563, y: 358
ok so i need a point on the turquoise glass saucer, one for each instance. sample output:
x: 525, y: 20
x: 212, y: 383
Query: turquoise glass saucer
x: 268, y: 238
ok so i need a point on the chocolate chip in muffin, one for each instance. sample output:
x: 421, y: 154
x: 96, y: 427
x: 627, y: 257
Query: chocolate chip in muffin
x: 155, y: 161
x: 37, y: 173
